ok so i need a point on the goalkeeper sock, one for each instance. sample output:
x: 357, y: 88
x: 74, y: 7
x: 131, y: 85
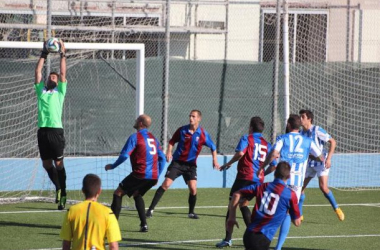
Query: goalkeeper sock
x: 246, y: 215
x: 192, y: 201
x: 332, y: 200
x: 157, y: 196
x: 284, y: 230
x: 116, y: 205
x: 53, y: 175
x: 300, y: 202
x: 140, y: 206
x: 62, y: 180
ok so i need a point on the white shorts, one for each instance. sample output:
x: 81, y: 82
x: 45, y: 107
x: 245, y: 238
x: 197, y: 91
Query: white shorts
x: 318, y: 170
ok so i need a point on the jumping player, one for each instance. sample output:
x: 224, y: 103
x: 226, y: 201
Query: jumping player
x: 51, y: 141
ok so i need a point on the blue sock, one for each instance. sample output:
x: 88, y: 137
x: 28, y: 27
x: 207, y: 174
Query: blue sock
x: 284, y: 230
x: 331, y: 199
x: 300, y: 203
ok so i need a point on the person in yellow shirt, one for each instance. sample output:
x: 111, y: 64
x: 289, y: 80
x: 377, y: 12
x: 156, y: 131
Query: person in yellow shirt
x: 87, y: 224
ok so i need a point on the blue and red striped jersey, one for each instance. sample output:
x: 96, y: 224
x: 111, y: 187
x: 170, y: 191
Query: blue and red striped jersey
x: 147, y: 158
x: 190, y: 145
x: 273, y: 200
x: 255, y: 149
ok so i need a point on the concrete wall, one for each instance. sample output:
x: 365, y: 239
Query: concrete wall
x: 348, y: 170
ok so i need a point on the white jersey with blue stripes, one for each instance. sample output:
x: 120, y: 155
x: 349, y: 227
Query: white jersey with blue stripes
x: 320, y: 138
x: 295, y: 148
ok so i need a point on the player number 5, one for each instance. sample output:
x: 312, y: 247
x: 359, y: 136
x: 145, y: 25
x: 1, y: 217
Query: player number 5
x: 152, y: 146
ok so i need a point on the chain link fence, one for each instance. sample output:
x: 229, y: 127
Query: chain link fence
x: 221, y: 60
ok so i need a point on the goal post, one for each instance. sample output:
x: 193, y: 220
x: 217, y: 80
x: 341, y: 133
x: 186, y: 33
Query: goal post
x: 104, y: 96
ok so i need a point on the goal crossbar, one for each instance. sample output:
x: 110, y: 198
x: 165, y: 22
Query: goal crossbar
x: 140, y: 60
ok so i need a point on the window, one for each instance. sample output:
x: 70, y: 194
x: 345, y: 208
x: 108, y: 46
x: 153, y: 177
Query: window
x: 307, y: 36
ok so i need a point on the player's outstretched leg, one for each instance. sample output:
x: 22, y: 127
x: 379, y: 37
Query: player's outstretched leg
x: 246, y: 215
x: 157, y: 196
x: 192, y: 201
x: 300, y: 204
x: 284, y: 230
x: 116, y: 205
x: 62, y: 182
x: 227, y: 241
x: 140, y: 206
x: 330, y: 197
x: 53, y: 176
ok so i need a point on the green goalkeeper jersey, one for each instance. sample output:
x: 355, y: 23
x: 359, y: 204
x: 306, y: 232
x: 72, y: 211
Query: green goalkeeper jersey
x: 50, y: 105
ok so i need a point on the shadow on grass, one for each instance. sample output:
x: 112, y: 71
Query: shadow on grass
x: 184, y: 215
x: 149, y: 244
x: 17, y: 224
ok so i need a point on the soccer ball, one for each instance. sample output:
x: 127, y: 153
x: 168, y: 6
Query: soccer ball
x: 53, y: 45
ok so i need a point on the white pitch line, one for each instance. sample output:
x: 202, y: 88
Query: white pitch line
x: 200, y: 207
x: 235, y: 239
x: 210, y: 240
x: 36, y: 211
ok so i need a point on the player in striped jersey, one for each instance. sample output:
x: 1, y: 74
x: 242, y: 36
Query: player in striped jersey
x: 190, y: 139
x: 295, y: 149
x: 321, y: 169
x: 147, y: 160
x: 251, y: 152
x: 273, y: 200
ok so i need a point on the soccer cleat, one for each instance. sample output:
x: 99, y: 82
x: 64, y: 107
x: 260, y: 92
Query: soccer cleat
x: 340, y: 214
x: 144, y: 229
x: 149, y: 213
x: 301, y: 217
x: 62, y: 203
x: 224, y: 243
x: 193, y: 216
x: 57, y: 195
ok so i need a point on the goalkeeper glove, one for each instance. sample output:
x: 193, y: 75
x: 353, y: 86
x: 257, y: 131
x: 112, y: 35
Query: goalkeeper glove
x: 44, y: 52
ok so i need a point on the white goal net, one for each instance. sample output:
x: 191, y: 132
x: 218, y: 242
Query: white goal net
x: 104, y: 95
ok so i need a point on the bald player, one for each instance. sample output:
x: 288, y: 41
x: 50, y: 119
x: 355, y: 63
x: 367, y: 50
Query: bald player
x: 147, y: 160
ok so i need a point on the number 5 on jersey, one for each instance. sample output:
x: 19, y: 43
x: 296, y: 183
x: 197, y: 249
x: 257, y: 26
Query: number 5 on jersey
x: 152, y: 145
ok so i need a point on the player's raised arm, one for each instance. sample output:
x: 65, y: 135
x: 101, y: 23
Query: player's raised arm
x: 237, y: 156
x: 40, y: 65
x: 127, y: 150
x: 215, y: 162
x: 62, y: 53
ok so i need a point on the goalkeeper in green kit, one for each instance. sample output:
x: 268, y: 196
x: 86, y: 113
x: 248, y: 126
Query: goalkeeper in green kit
x: 51, y: 141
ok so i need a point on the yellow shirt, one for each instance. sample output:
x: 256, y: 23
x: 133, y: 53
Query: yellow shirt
x: 101, y: 224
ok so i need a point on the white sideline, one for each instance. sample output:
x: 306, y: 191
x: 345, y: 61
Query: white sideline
x: 200, y: 207
x: 216, y: 240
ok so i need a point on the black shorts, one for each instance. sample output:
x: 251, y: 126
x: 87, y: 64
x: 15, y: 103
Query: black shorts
x: 239, y: 184
x: 51, y: 143
x: 178, y: 168
x: 255, y: 241
x: 131, y: 184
